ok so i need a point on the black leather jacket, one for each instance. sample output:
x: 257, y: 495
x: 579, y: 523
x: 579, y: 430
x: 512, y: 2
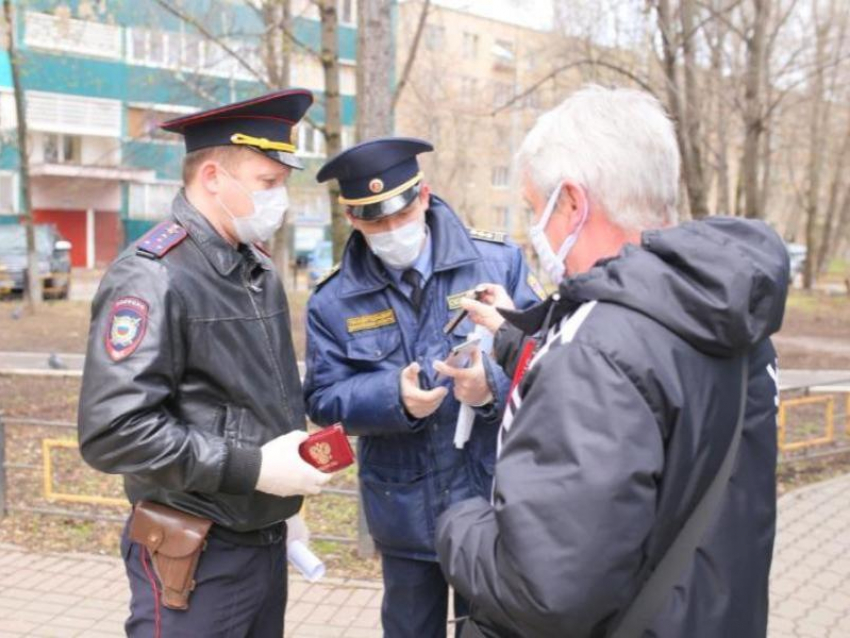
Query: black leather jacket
x: 179, y: 396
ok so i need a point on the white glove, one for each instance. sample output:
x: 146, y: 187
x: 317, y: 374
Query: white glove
x: 284, y: 473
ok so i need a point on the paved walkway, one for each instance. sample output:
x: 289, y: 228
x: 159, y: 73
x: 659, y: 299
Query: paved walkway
x: 810, y: 579
x: 86, y: 595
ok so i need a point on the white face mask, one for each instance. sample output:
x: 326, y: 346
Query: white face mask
x: 551, y: 262
x: 398, y: 248
x: 269, y: 208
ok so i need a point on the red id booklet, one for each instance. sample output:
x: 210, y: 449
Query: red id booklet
x: 328, y: 450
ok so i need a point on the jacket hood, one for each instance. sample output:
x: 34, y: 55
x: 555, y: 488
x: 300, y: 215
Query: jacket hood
x: 719, y: 283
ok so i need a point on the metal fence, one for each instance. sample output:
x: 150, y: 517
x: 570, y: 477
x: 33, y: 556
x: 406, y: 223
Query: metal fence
x: 813, y: 422
x: 48, y: 497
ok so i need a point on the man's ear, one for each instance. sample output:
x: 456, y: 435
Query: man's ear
x: 571, y: 202
x: 209, y: 176
x: 424, y: 194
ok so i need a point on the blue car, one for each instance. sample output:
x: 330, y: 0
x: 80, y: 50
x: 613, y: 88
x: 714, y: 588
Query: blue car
x: 319, y: 261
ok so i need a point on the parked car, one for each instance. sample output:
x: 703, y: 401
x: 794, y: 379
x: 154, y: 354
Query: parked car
x: 54, y: 260
x: 797, y: 259
x: 319, y: 261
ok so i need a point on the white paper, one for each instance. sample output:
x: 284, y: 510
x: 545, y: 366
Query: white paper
x: 305, y: 561
x: 466, y: 415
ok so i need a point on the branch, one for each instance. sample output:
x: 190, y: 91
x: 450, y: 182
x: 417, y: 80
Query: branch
x: 180, y: 15
x: 566, y: 67
x: 411, y: 55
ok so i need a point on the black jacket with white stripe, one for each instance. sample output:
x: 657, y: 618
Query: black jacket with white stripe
x: 619, y: 425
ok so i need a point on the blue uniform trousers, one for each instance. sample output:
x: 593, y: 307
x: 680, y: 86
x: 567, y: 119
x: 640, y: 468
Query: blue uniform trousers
x: 416, y: 599
x: 240, y: 593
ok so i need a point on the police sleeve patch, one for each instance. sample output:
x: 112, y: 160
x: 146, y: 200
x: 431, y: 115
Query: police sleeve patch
x: 126, y: 329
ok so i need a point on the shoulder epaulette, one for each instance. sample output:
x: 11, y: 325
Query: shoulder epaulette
x: 160, y: 239
x: 327, y: 276
x: 494, y: 236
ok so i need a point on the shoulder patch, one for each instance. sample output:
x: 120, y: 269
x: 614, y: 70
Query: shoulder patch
x: 160, y: 239
x: 128, y: 321
x: 494, y: 236
x: 327, y: 276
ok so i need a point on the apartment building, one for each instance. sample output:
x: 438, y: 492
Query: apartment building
x: 99, y: 77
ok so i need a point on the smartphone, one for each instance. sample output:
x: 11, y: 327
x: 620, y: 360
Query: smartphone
x: 459, y: 357
x: 478, y: 293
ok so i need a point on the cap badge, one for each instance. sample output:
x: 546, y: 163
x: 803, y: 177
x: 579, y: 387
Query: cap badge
x: 376, y: 185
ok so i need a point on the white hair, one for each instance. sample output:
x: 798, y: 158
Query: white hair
x: 617, y: 143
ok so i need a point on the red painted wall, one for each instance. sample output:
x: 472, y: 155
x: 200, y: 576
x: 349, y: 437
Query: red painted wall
x: 72, y: 225
x: 108, y: 237
x: 108, y: 233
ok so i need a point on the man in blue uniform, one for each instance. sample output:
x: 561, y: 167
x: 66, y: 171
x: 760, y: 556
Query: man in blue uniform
x: 374, y: 330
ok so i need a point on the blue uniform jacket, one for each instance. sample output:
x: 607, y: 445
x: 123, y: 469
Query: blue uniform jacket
x: 361, y: 332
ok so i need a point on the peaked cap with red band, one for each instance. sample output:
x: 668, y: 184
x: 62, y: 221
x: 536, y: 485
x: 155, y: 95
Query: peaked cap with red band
x: 265, y: 124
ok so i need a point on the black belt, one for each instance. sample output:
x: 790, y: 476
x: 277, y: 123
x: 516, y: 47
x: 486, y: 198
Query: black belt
x: 254, y: 538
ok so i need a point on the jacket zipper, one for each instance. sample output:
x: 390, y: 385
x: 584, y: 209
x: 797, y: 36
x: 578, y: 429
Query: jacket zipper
x: 249, y: 289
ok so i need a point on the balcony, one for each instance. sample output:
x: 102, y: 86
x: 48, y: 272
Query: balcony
x: 68, y: 35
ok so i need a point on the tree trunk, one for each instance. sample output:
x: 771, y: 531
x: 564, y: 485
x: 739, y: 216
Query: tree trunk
x: 333, y: 118
x: 692, y: 113
x: 33, y: 291
x: 374, y: 69
x: 277, y: 49
x: 816, y: 152
x: 753, y: 125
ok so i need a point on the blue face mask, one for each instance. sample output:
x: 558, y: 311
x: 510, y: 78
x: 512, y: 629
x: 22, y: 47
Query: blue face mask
x: 553, y: 262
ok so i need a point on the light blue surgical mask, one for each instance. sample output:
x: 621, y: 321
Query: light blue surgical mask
x: 553, y: 263
x: 401, y: 247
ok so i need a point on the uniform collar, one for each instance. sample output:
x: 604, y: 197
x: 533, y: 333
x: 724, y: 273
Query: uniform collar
x: 224, y: 257
x: 452, y: 248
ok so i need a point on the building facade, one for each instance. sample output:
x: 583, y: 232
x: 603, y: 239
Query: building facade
x: 99, y: 76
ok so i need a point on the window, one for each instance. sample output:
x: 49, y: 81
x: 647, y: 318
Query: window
x: 468, y: 88
x: 8, y: 193
x: 62, y: 149
x: 503, y: 54
x: 143, y: 123
x: 502, y: 94
x: 434, y: 37
x: 502, y: 216
x: 347, y: 11
x: 152, y: 201
x: 499, y: 176
x: 310, y: 140
x: 470, y: 45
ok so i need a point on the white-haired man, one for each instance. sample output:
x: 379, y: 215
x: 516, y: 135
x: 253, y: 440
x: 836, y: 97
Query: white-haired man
x: 640, y: 388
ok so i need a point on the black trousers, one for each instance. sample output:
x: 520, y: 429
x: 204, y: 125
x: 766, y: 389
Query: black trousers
x: 240, y: 593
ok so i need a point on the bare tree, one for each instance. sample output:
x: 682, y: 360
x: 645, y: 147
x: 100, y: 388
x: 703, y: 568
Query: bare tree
x: 374, y: 68
x: 33, y: 286
x: 332, y: 129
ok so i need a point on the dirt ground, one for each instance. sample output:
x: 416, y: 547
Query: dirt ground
x: 815, y: 333
x: 55, y: 399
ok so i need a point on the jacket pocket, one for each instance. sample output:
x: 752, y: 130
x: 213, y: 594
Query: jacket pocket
x: 398, y: 511
x: 371, y: 350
